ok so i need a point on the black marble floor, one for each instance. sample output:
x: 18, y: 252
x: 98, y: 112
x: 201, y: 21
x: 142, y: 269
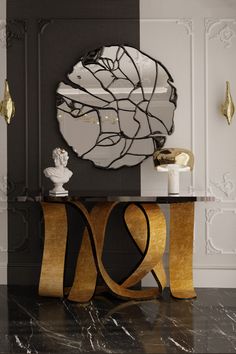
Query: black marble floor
x: 32, y: 324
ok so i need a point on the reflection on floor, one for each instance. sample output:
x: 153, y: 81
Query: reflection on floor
x: 32, y: 324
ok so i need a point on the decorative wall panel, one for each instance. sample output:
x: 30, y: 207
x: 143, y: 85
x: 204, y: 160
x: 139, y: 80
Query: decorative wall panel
x: 220, y: 52
x: 217, y: 240
x: 45, y: 41
x: 196, y: 41
x: 220, y: 168
x: 3, y: 151
x: 207, y: 47
x: 17, y: 47
x: 168, y: 32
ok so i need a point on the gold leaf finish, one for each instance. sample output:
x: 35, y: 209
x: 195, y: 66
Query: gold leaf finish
x: 179, y: 156
x: 52, y: 270
x: 150, y: 238
x: 227, y: 108
x: 147, y: 227
x: 101, y: 212
x: 181, y: 250
x: 7, y: 106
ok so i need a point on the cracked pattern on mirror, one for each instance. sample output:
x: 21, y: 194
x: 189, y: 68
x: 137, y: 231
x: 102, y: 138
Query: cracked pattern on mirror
x: 116, y: 106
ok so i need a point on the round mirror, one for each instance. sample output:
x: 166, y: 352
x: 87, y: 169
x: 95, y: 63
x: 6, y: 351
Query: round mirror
x: 116, y: 106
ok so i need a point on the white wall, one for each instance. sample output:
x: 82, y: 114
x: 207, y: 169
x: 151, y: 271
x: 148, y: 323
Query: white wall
x: 3, y: 152
x: 196, y: 40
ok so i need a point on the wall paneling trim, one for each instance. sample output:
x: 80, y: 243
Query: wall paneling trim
x: 3, y: 152
x: 48, y: 39
x: 201, y: 89
x: 196, y: 41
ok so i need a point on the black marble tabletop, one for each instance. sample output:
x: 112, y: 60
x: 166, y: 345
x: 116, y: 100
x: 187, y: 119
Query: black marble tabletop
x: 161, y: 199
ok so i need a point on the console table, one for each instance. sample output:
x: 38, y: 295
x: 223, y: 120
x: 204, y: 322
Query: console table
x: 146, y: 224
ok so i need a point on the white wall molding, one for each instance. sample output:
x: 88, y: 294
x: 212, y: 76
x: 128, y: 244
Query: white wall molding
x: 215, y: 28
x: 211, y: 247
x: 188, y: 25
x: 221, y: 29
x: 210, y: 213
x: 3, y: 190
x: 209, y: 23
x: 226, y: 186
x: 221, y: 186
x: 2, y: 33
x: 3, y: 273
x: 207, y: 50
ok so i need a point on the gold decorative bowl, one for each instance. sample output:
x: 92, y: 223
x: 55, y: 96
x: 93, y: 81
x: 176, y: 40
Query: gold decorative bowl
x: 178, y: 156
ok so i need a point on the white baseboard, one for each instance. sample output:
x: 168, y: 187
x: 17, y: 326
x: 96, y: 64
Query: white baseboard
x: 3, y: 274
x: 214, y: 278
x: 205, y: 278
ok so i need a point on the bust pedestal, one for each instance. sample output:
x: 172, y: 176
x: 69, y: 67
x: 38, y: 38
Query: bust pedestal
x: 58, y: 191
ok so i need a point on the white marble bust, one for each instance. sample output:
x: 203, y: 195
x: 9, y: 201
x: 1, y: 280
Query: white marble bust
x: 59, y: 174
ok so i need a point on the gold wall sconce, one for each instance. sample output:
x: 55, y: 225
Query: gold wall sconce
x: 227, y: 108
x: 7, y: 106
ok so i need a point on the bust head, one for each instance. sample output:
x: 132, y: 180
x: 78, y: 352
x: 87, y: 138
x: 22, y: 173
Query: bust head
x: 59, y: 174
x: 60, y: 157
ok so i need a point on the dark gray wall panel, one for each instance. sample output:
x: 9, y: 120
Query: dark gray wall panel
x: 57, y: 59
x: 74, y: 8
x: 45, y: 39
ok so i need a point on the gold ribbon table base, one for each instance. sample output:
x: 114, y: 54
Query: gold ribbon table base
x: 147, y: 219
x: 146, y: 225
x: 52, y: 269
x: 181, y: 250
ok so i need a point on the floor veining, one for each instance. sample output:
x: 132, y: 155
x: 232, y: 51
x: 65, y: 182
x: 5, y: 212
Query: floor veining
x: 36, y: 325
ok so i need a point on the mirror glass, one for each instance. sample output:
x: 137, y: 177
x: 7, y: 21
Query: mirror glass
x: 116, y: 106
